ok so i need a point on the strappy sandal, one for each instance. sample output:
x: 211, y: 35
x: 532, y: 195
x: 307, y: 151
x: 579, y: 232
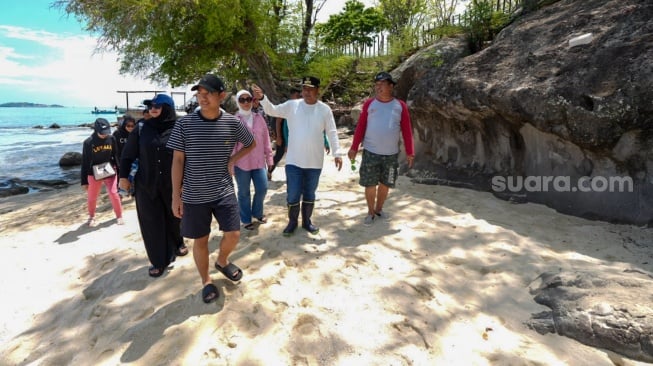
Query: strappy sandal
x: 182, y: 250
x: 155, y: 272
x: 262, y: 219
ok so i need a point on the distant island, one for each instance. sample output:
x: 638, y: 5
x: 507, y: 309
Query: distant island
x: 30, y: 105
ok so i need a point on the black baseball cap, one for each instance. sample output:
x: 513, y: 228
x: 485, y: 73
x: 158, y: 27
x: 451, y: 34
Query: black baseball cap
x: 102, y: 126
x: 147, y: 104
x: 211, y: 83
x: 311, y: 81
x: 384, y: 76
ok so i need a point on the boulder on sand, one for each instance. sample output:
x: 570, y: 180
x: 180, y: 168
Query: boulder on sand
x: 71, y: 159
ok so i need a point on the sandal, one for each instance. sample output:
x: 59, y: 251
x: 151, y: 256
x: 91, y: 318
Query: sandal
x: 91, y: 222
x: 155, y: 272
x: 262, y: 219
x: 182, y: 250
x: 250, y: 226
x: 231, y: 271
x: 210, y: 293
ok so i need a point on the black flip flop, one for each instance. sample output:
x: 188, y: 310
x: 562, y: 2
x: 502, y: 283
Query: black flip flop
x: 210, y: 293
x: 231, y: 271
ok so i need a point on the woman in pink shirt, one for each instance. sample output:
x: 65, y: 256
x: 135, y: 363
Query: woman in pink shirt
x: 253, y: 166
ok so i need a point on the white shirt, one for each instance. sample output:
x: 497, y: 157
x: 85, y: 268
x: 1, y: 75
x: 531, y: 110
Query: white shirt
x: 307, y: 124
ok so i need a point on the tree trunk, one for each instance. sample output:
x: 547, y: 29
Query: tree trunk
x: 260, y: 66
x: 306, y: 30
x: 278, y: 10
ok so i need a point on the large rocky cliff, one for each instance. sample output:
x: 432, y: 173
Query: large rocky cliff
x: 535, y: 109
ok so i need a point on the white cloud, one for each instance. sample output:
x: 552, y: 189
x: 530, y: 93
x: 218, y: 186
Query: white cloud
x: 67, y: 69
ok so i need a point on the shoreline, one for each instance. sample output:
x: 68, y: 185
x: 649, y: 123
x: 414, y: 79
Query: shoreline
x: 423, y: 288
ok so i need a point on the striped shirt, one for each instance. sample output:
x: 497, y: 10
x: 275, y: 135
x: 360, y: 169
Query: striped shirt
x: 207, y: 145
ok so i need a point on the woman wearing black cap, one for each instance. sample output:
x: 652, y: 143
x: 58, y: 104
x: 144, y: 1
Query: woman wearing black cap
x: 153, y: 189
x: 100, y: 148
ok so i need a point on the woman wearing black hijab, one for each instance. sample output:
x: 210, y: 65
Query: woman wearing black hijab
x: 160, y: 229
x: 122, y: 133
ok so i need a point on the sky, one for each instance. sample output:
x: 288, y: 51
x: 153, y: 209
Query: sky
x: 46, y: 57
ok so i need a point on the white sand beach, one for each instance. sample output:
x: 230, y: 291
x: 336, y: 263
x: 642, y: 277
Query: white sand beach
x: 446, y: 282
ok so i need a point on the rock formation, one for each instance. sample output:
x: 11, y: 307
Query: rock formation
x: 532, y: 109
x: 70, y: 159
x: 609, y: 311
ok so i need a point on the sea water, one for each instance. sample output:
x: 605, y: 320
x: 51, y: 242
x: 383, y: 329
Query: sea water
x: 30, y: 149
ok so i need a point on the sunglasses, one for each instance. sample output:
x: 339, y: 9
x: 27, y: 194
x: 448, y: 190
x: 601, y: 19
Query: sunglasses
x: 156, y: 106
x: 130, y: 126
x: 244, y: 100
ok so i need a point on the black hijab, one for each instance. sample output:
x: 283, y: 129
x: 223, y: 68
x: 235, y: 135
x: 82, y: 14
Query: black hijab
x: 165, y: 121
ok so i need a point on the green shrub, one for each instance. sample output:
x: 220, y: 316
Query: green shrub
x: 347, y: 80
x: 447, y: 30
x: 328, y: 66
x: 483, y: 23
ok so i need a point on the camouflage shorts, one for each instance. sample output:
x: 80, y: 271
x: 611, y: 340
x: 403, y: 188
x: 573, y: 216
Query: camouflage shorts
x: 377, y: 169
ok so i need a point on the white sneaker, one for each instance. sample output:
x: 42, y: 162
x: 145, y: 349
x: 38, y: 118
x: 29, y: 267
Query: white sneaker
x: 369, y: 220
x: 120, y: 221
x: 91, y: 222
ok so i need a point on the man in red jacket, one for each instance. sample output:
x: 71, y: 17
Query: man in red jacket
x: 383, y: 120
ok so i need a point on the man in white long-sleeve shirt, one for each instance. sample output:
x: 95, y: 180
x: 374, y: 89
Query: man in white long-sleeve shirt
x: 308, y: 119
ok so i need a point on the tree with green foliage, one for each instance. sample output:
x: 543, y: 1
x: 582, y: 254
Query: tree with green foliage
x: 405, y: 19
x: 483, y: 23
x: 442, y: 11
x: 354, y: 25
x: 177, y: 41
x: 402, y: 14
x: 310, y: 18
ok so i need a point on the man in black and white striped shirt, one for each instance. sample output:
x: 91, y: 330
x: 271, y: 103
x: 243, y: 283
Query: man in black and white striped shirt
x: 202, y: 184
